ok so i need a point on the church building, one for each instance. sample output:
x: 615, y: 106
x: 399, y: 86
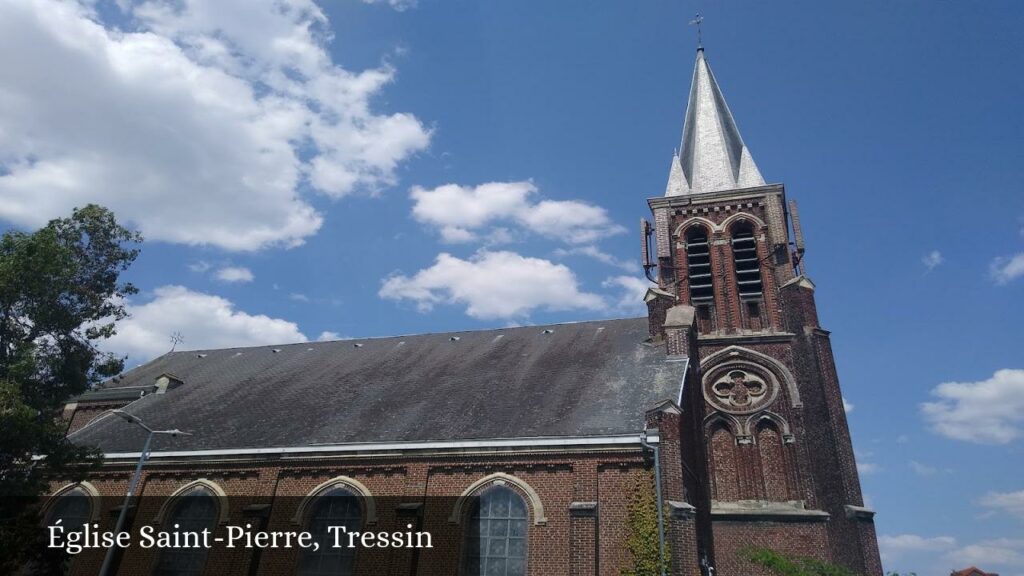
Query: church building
x: 527, y: 448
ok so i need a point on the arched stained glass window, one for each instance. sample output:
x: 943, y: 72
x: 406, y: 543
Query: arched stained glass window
x: 73, y: 508
x: 496, y: 534
x: 336, y: 507
x: 192, y: 512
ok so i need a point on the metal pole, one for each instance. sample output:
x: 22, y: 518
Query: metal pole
x: 109, y: 558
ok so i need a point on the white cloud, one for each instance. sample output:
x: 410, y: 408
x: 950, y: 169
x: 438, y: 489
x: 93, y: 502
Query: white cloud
x: 990, y: 411
x: 206, y: 321
x: 847, y: 405
x: 197, y: 122
x: 932, y: 259
x: 1009, y: 502
x: 867, y: 468
x: 200, y: 266
x: 298, y: 297
x: 399, y: 5
x: 460, y: 213
x: 999, y: 553
x: 596, y: 253
x: 895, y: 546
x: 327, y: 335
x: 492, y: 285
x: 925, y: 470
x: 1005, y: 269
x: 235, y: 274
x: 631, y: 292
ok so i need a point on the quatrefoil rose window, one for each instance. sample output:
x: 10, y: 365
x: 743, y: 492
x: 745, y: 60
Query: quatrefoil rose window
x: 739, y: 390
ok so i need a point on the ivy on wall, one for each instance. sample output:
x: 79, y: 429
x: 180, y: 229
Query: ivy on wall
x: 642, y: 527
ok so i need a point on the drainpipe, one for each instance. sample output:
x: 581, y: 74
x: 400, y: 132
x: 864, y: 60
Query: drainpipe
x: 657, y: 488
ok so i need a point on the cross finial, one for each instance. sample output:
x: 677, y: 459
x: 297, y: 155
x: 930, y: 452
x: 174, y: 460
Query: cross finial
x: 697, y: 20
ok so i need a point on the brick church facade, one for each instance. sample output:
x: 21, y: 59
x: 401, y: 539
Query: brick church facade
x: 527, y: 444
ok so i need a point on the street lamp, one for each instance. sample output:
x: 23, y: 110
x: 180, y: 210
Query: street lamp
x: 132, y: 419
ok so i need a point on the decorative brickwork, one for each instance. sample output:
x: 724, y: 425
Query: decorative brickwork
x: 777, y: 449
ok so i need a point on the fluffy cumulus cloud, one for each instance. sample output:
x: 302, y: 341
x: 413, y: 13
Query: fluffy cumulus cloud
x: 847, y: 405
x: 1008, y: 502
x: 1000, y: 553
x: 631, y: 290
x: 467, y: 213
x: 199, y: 122
x: 1005, y: 269
x: 895, y: 546
x: 203, y: 320
x: 990, y: 411
x: 235, y: 274
x: 492, y: 285
x: 1003, y: 554
x: 601, y: 256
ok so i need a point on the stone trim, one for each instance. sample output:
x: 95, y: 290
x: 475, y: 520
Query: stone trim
x: 764, y: 511
x: 500, y: 479
x: 681, y: 510
x: 347, y: 483
x: 209, y: 485
x: 859, y: 512
x: 583, y: 510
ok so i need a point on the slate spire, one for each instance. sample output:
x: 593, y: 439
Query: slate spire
x: 712, y: 155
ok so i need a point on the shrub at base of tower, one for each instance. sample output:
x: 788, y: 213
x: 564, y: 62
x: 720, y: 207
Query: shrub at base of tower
x: 642, y: 526
x: 783, y: 565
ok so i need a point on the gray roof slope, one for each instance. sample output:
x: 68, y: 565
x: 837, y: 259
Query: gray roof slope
x: 588, y: 378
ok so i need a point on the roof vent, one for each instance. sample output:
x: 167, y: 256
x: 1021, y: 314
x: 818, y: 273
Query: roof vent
x: 547, y: 331
x: 276, y: 350
x: 200, y: 355
x: 309, y: 349
x: 238, y: 353
x: 357, y: 345
x: 165, y: 382
x: 454, y: 339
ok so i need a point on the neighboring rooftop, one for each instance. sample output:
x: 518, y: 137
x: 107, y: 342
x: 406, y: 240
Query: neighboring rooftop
x: 581, y: 379
x: 972, y: 571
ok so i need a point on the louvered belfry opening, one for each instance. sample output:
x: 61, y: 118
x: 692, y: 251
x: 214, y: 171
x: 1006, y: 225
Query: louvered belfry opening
x: 702, y: 290
x: 748, y: 275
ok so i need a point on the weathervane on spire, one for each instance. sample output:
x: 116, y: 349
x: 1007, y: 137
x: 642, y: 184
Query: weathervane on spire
x: 697, y: 20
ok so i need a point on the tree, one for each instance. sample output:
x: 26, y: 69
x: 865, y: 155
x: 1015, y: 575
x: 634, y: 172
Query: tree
x: 60, y: 295
x: 784, y: 565
x: 642, y: 523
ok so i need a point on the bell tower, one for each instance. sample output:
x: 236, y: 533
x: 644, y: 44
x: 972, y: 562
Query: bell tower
x: 775, y: 447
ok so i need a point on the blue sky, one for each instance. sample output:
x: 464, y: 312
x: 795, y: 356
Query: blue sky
x: 333, y: 171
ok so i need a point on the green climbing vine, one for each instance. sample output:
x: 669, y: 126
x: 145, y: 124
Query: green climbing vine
x: 642, y: 526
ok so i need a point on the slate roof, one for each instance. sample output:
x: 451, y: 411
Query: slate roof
x: 580, y: 379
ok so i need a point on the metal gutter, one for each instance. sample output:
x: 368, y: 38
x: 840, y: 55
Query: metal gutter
x: 560, y: 441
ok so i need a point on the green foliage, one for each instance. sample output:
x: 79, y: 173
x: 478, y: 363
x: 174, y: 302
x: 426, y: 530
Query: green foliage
x: 60, y: 295
x: 642, y: 524
x: 783, y: 565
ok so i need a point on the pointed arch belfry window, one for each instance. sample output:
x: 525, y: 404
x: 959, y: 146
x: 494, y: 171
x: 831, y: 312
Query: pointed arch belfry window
x: 747, y: 267
x: 192, y: 511
x: 701, y: 284
x: 496, y: 534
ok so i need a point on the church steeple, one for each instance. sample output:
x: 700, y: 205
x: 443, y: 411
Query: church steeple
x: 712, y: 155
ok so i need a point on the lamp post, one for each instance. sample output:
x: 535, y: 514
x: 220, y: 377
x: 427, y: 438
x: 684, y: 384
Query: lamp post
x: 132, y: 419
